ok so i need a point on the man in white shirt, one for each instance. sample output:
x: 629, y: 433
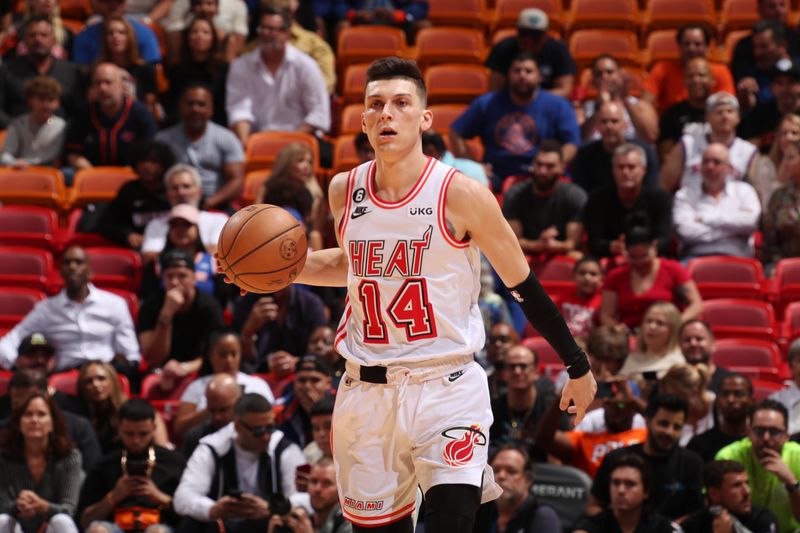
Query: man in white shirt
x: 276, y: 87
x: 82, y: 322
x: 718, y: 216
x: 239, y: 473
x: 790, y: 396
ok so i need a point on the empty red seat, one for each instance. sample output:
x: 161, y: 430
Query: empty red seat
x: 546, y: 356
x: 749, y: 355
x: 787, y: 282
x: 555, y: 275
x: 29, y: 226
x: 130, y: 298
x: 115, y: 268
x: 21, y: 266
x: 763, y: 389
x: 16, y: 302
x: 733, y: 317
x: 721, y: 276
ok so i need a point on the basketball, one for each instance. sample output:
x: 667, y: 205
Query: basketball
x: 262, y: 248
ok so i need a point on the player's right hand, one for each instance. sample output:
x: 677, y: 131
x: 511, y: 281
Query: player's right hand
x: 225, y: 277
x: 580, y: 392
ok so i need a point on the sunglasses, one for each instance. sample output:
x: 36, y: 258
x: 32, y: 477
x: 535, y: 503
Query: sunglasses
x: 259, y: 431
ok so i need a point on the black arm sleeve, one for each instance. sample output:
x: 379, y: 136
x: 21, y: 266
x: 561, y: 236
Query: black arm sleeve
x: 543, y: 315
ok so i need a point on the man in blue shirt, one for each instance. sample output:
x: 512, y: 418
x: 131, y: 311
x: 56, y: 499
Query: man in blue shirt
x: 512, y: 122
x: 86, y: 46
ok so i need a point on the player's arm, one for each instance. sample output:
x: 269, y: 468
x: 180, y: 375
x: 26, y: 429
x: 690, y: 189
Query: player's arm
x: 328, y: 268
x: 473, y: 211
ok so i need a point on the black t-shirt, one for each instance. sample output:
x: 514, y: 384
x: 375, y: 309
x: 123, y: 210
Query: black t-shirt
x: 190, y: 330
x: 606, y: 522
x: 678, y: 479
x: 761, y: 122
x: 760, y: 520
x: 592, y: 170
x: 743, y: 60
x: 676, y: 117
x: 553, y: 61
x: 717, y: 377
x: 66, y: 73
x: 537, y: 213
x: 708, y: 443
x: 530, y: 517
x: 103, y: 477
x: 130, y: 211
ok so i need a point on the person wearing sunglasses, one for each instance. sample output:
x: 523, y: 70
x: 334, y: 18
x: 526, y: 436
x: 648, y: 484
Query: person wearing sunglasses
x: 772, y: 463
x: 234, y: 474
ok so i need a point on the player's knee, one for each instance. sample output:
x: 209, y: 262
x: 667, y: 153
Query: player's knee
x: 451, y: 508
x: 404, y: 525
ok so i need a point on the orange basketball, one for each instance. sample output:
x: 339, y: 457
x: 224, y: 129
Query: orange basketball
x: 262, y: 248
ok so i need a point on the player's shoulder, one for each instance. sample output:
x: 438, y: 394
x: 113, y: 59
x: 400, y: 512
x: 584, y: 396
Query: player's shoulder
x: 463, y: 191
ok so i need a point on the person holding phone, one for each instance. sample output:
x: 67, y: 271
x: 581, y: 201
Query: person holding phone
x: 657, y: 347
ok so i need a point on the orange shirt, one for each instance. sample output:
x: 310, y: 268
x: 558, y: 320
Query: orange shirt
x: 666, y: 82
x: 590, y: 448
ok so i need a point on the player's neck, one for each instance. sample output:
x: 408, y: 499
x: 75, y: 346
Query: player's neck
x: 394, y: 178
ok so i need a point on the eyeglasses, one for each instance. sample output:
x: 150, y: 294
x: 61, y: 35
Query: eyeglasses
x: 514, y: 366
x: 760, y: 432
x: 259, y: 431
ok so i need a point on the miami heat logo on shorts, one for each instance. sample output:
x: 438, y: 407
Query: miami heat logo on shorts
x: 459, y: 451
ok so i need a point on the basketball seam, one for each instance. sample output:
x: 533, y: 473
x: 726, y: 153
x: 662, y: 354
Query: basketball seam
x: 270, y: 271
x: 281, y: 234
x: 246, y: 222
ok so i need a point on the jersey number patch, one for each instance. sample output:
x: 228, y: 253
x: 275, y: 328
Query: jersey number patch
x: 410, y: 310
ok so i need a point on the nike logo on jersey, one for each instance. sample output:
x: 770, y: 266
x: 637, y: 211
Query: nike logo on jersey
x: 360, y: 211
x: 455, y: 375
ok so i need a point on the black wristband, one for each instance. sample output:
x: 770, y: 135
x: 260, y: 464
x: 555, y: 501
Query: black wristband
x: 543, y: 315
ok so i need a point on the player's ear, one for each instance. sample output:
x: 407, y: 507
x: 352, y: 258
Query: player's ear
x: 363, y: 123
x: 426, y: 122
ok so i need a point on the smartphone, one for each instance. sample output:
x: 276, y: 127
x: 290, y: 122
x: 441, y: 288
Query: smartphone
x: 650, y: 376
x: 136, y: 468
x: 604, y: 390
x: 235, y: 493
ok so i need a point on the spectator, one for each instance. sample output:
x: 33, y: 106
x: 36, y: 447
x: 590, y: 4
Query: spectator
x: 41, y: 470
x: 113, y: 117
x: 518, y: 412
x: 321, y: 414
x: 680, y: 118
x: 311, y: 383
x: 276, y: 71
x: 229, y: 19
x: 281, y: 365
x: 666, y: 86
x: 493, y: 308
x: 39, y: 38
x: 719, y: 216
x: 141, y: 200
x: 12, y: 46
x: 732, y: 404
x: 224, y: 357
x: 23, y: 384
x: 632, y: 288
x: 35, y: 353
x: 656, y: 344
x: 580, y: 308
x: 607, y: 348
x: 585, y: 450
x: 99, y: 399
x: 593, y: 166
x: 86, y: 46
x: 321, y: 344
x: 213, y: 150
x: 234, y: 472
x: 606, y: 213
x: 410, y: 16
x: 545, y: 211
x: 36, y: 138
x: 612, y: 85
x: 221, y: 394
x: 433, y: 145
x: 790, y: 396
x: 512, y: 122
x: 516, y: 509
x: 502, y: 337
x: 760, y: 122
x: 770, y: 42
x: 683, y: 165
x: 775, y: 170
x: 183, y: 185
x: 772, y: 463
x: 82, y: 321
x: 676, y: 471
x: 324, y: 498
x: 175, y: 323
x: 150, y: 12
x: 779, y: 221
x: 133, y: 485
x: 730, y: 507
x: 691, y: 383
x: 697, y: 346
x: 552, y: 57
x: 364, y: 149
x: 630, y: 486
x: 282, y: 320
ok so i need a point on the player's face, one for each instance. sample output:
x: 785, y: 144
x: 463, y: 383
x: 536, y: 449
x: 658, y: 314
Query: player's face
x: 509, y: 472
x: 394, y: 116
x: 321, y: 432
x: 734, y: 493
x: 664, y: 430
x: 734, y: 399
x: 226, y: 355
x: 627, y: 489
x: 322, y: 488
x: 136, y: 435
x: 696, y: 343
x: 767, y: 431
x: 520, y: 369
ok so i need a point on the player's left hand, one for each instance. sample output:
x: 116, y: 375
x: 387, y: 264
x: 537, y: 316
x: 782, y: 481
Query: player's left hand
x: 580, y: 392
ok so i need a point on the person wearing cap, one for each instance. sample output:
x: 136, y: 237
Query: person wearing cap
x: 717, y: 216
x: 759, y: 125
x: 184, y: 185
x: 555, y: 63
x: 665, y: 86
x: 682, y: 166
x: 82, y: 322
x: 312, y: 381
x: 35, y: 353
x: 175, y: 323
x: 235, y: 472
x: 214, y: 151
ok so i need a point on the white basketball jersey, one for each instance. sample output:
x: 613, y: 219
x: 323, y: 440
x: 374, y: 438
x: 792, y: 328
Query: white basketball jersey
x: 741, y: 154
x: 412, y: 288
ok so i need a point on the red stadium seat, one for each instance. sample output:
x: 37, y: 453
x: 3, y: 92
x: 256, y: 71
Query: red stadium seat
x: 507, y: 12
x: 444, y: 115
x: 351, y: 119
x: 586, y: 45
x: 16, y: 302
x: 364, y: 44
x: 662, y: 14
x: 762, y: 389
x: 471, y: 13
x: 555, y: 275
x: 22, y: 266
x: 352, y: 83
x: 252, y: 185
x: 790, y: 325
x: 723, y: 276
x: 618, y: 14
x: 749, y: 355
x: 738, y: 318
x: 456, y: 83
x: 32, y: 186
x: 263, y: 147
x: 22, y: 225
x: 130, y: 298
x: 151, y: 389
x: 345, y: 156
x: 116, y: 268
x: 546, y: 356
x: 98, y: 184
x: 787, y: 282
x: 444, y: 44
x: 5, y: 377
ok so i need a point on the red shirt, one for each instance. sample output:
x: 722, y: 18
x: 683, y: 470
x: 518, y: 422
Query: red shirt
x: 579, y: 313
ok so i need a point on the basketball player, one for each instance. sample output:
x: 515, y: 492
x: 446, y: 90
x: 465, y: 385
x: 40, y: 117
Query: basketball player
x: 413, y: 408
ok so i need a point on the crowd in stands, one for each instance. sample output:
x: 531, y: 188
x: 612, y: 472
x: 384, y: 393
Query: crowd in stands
x: 178, y: 404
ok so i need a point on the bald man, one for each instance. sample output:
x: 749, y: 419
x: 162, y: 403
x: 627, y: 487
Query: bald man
x: 105, y: 128
x: 699, y: 82
x: 221, y: 395
x: 717, y: 216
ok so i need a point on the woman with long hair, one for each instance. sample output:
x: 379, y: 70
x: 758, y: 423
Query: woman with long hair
x: 657, y: 346
x: 774, y: 171
x: 41, y: 470
x: 780, y: 222
x: 690, y: 382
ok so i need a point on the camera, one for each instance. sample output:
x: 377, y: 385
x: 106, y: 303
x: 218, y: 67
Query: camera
x: 279, y: 504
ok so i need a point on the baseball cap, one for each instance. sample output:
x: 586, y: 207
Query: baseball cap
x: 187, y: 212
x: 176, y: 258
x: 33, y: 342
x: 314, y: 363
x: 721, y: 98
x: 532, y: 19
x: 785, y: 67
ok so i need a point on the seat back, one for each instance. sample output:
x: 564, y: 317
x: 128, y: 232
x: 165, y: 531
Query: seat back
x: 5, y: 377
x: 345, y: 156
x: 738, y: 15
x: 586, y: 45
x: 151, y: 387
x: 117, y: 268
x: 787, y: 282
x: 252, y: 185
x: 16, y: 302
x: 738, y: 318
x: 350, y: 121
x: 470, y: 13
x: 662, y: 14
x: 449, y: 45
x: 364, y: 44
x: 727, y: 277
x: 564, y: 488
x: 32, y: 186
x: 22, y: 266
x: 98, y: 184
x: 732, y: 353
x: 67, y: 382
x: 263, y: 147
x: 353, y: 82
x: 616, y: 14
x: 444, y: 115
x: 456, y: 83
x: 763, y: 389
x: 661, y: 45
x: 28, y: 226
